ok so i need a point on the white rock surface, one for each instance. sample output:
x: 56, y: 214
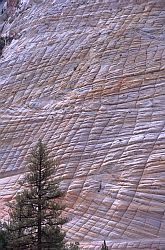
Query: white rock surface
x: 88, y: 77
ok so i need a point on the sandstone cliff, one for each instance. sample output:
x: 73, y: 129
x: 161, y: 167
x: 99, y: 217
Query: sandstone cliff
x: 88, y: 77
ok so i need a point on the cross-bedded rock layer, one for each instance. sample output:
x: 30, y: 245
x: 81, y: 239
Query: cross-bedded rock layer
x: 88, y: 78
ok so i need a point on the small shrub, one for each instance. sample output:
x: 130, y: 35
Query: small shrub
x: 2, y: 44
x: 104, y: 246
x: 5, y: 41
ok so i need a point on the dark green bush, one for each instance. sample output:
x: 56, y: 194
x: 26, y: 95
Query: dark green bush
x: 104, y: 246
x: 2, y: 44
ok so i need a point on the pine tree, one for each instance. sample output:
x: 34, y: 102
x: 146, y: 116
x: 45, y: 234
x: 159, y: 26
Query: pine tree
x: 104, y: 246
x: 35, y: 215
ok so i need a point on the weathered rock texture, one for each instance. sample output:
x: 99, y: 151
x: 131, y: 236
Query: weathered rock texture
x: 12, y: 3
x: 88, y: 77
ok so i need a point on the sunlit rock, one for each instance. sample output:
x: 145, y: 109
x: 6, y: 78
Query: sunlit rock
x: 88, y: 78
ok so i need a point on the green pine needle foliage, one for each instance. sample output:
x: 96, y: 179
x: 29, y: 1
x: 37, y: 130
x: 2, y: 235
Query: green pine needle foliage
x: 35, y: 215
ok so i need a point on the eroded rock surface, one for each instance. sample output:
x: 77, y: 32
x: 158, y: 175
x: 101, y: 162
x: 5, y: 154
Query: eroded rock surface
x: 88, y: 77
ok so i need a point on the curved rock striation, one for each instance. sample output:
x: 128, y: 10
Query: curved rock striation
x: 88, y: 77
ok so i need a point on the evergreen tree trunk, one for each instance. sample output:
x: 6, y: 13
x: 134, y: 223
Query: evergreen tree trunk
x: 39, y: 201
x: 39, y: 228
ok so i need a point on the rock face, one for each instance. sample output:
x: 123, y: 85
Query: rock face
x: 88, y: 78
x: 12, y: 3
